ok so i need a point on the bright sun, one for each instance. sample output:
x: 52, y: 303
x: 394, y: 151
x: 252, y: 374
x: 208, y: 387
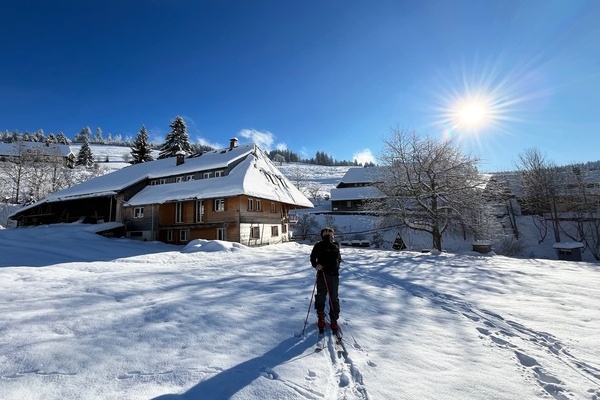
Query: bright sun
x: 471, y: 114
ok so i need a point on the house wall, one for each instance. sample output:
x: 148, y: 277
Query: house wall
x: 271, y: 215
x: 238, y: 219
x: 207, y: 229
x: 265, y: 234
x: 142, y: 228
x: 342, y: 205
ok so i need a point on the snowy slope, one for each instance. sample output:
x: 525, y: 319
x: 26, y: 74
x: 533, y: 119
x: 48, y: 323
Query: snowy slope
x: 85, y: 317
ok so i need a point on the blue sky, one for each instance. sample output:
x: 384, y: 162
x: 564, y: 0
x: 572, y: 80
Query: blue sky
x: 333, y: 76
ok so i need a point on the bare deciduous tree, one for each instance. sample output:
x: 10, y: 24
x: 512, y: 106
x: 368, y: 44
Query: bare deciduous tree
x: 307, y: 223
x: 15, y: 171
x: 542, y: 184
x: 430, y: 186
x: 314, y: 191
x: 298, y: 178
x: 583, y: 209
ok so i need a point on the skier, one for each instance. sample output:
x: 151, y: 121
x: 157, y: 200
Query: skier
x: 325, y: 258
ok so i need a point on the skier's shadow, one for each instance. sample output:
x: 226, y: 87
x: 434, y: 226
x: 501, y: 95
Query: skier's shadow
x: 228, y: 382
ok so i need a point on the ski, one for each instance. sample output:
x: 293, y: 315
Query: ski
x: 320, y: 341
x: 339, y: 344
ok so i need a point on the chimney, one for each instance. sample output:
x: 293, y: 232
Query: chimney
x: 233, y: 143
x: 180, y: 157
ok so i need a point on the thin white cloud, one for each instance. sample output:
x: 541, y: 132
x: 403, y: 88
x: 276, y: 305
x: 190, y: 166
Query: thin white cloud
x: 205, y: 142
x: 304, y: 152
x: 264, y: 140
x: 189, y: 123
x: 281, y: 146
x: 155, y: 135
x: 364, y: 156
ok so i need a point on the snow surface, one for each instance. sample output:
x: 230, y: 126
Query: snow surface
x: 86, y: 317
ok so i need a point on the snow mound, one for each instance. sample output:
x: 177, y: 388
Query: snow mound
x: 202, y: 245
x: 1, y: 227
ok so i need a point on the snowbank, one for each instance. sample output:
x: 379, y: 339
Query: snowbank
x: 210, y: 246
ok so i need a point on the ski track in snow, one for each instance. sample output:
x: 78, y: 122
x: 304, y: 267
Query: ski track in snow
x: 505, y: 333
x: 345, y: 381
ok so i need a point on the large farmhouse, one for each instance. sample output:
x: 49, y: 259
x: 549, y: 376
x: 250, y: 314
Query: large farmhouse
x: 235, y: 194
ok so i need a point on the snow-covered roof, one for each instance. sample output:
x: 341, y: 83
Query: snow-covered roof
x: 130, y: 175
x: 12, y: 149
x: 255, y: 176
x: 363, y: 175
x: 356, y: 193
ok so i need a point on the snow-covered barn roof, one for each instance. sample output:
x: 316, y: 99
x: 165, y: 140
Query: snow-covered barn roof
x: 255, y: 176
x: 356, y: 193
x: 362, y: 175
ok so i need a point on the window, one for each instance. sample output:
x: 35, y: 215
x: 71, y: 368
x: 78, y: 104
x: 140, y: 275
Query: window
x: 162, y: 181
x: 284, y: 228
x: 199, y: 211
x: 206, y: 175
x: 189, y: 177
x: 183, y: 235
x: 218, y: 174
x: 273, y: 208
x: 220, y: 233
x: 219, y: 205
x: 178, y: 212
x: 255, y: 232
x: 179, y: 179
x: 349, y: 204
x: 169, y: 236
x: 254, y: 205
x: 138, y: 212
x: 282, y: 181
x: 274, y: 231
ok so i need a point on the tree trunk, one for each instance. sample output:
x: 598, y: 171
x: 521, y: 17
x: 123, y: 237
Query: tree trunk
x: 437, y: 238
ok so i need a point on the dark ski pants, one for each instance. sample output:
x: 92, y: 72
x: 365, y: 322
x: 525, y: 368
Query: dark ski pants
x: 333, y: 283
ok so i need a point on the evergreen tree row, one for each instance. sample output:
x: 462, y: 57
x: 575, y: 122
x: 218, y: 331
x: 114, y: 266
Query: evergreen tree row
x: 175, y: 141
x: 321, y: 158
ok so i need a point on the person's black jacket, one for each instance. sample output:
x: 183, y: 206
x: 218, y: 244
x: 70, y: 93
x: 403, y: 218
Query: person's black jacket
x: 328, y: 255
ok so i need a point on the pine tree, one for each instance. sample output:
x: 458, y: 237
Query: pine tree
x: 61, y: 138
x: 141, y: 150
x: 85, y: 156
x: 50, y: 139
x: 98, y: 137
x: 83, y: 136
x: 177, y: 140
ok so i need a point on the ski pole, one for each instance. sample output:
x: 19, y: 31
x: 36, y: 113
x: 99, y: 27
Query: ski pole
x: 309, y: 304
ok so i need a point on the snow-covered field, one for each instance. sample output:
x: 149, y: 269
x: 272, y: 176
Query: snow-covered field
x: 85, y: 317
